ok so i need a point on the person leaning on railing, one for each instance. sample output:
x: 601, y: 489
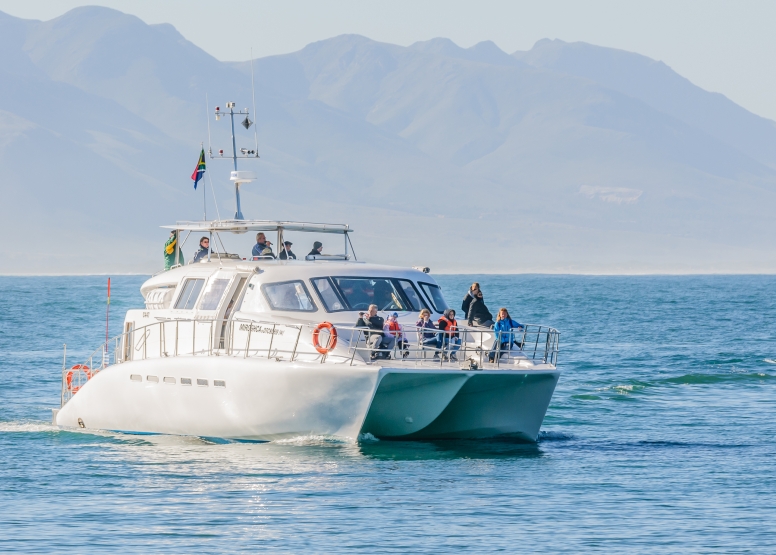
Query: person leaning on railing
x: 504, y: 335
x: 448, y: 333
x: 378, y: 342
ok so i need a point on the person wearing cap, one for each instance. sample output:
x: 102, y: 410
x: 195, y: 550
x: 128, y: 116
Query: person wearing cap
x: 317, y: 248
x: 286, y: 253
x: 394, y: 328
x: 262, y: 247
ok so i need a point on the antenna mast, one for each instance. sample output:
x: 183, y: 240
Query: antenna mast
x: 238, y: 177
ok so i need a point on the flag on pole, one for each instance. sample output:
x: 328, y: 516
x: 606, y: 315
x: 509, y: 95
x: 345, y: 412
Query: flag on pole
x: 199, y: 171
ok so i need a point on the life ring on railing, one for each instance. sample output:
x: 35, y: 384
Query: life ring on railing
x: 332, y: 337
x: 69, y: 377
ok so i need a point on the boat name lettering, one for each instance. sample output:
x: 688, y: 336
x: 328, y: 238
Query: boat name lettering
x: 260, y: 329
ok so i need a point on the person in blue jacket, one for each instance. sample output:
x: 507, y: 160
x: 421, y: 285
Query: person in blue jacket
x: 504, y: 334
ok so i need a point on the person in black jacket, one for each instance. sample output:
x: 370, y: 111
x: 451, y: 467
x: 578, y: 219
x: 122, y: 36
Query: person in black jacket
x: 317, y: 249
x: 470, y: 294
x: 286, y: 253
x: 375, y: 339
x: 479, y: 315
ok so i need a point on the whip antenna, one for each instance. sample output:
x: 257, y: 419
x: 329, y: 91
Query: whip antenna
x: 253, y: 92
x: 210, y: 155
x: 106, y: 355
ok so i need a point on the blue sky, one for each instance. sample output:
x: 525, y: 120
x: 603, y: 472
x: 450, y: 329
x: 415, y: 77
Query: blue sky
x: 722, y: 46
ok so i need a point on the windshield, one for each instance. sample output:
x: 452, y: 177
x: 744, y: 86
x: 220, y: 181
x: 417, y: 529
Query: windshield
x: 434, y: 293
x: 328, y: 295
x: 359, y: 293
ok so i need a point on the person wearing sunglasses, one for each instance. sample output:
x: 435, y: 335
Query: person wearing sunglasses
x: 202, y: 251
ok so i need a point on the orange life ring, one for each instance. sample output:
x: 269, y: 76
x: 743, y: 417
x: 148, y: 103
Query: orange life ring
x: 332, y: 337
x: 69, y: 377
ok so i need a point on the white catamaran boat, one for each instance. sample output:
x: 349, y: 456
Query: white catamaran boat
x: 265, y: 349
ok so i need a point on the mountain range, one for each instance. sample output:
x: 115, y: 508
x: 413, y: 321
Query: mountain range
x: 568, y: 157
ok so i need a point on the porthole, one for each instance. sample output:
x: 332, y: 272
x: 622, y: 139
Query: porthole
x: 169, y: 380
x: 201, y: 381
x: 219, y: 383
x: 136, y: 377
x: 185, y: 381
x: 154, y: 379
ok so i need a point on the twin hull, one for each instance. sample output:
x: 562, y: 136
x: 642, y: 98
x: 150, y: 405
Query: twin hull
x: 268, y: 400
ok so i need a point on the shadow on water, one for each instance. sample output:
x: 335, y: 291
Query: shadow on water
x: 449, y: 449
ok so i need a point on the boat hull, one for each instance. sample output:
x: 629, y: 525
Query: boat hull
x: 265, y: 400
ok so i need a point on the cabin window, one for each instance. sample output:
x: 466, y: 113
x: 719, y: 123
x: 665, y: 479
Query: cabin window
x: 434, y: 294
x: 331, y: 300
x: 189, y: 293
x: 360, y: 292
x: 213, y: 293
x: 288, y: 295
x: 412, y: 295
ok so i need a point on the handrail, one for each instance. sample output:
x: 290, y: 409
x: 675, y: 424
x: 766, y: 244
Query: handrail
x: 476, y: 348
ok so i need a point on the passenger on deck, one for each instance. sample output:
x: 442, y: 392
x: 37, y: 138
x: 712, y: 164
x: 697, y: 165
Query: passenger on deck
x: 427, y: 338
x: 317, y: 248
x: 202, y: 251
x: 450, y: 339
x: 262, y: 247
x: 479, y: 315
x: 504, y: 335
x: 286, y: 253
x: 169, y: 251
x: 393, y: 327
x: 470, y: 294
x: 375, y: 339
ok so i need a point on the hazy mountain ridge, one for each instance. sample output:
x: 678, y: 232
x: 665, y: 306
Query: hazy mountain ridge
x: 568, y: 157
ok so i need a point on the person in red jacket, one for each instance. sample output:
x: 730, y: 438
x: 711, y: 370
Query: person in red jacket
x: 394, y: 328
x: 451, y: 340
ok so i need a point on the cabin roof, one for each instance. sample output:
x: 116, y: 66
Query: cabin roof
x: 279, y: 270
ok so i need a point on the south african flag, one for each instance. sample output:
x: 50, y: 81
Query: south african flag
x: 199, y: 171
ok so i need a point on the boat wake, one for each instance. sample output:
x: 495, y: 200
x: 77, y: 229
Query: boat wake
x: 27, y: 427
x: 311, y: 439
x: 553, y: 436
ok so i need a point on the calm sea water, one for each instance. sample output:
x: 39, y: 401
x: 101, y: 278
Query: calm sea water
x: 660, y: 439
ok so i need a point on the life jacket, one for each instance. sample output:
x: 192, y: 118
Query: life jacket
x: 452, y: 326
x: 393, y: 326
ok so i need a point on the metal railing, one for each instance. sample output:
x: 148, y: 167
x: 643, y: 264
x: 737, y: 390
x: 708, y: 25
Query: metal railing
x: 475, y: 346
x: 248, y: 338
